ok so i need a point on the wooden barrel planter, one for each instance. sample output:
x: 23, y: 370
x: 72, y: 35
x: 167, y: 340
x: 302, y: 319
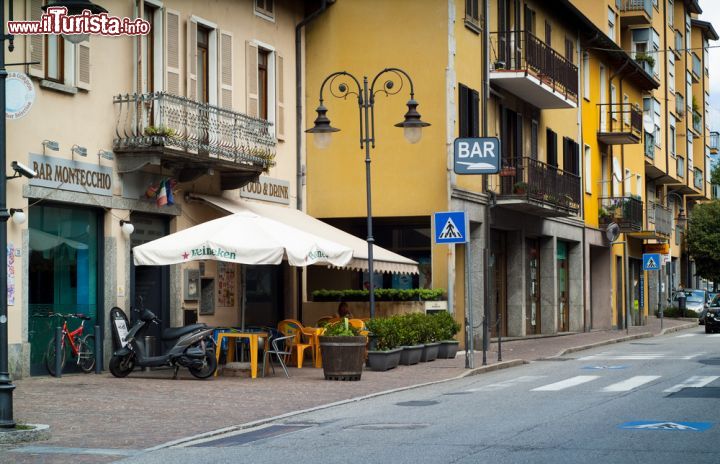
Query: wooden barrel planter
x: 343, y: 357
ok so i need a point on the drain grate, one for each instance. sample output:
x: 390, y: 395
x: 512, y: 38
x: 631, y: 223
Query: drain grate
x: 704, y: 392
x: 417, y: 403
x: 387, y: 427
x: 251, y: 436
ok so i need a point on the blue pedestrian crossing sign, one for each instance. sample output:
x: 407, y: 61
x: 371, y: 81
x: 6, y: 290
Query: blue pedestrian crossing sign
x: 652, y: 261
x: 450, y: 227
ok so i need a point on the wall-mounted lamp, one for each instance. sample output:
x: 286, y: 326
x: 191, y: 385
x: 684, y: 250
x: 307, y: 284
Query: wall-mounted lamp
x: 108, y: 155
x: 127, y: 228
x: 50, y: 145
x: 81, y: 151
x: 18, y: 215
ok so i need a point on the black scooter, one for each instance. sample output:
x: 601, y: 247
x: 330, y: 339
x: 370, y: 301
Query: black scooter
x: 192, y: 346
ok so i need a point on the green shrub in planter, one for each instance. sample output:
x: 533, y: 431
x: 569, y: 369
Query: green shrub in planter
x: 386, y: 353
x: 447, y: 328
x: 343, y: 351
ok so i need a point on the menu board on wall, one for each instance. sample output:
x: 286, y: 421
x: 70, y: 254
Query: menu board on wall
x: 226, y: 284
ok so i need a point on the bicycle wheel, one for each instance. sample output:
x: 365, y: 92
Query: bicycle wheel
x: 50, y: 356
x: 86, y: 353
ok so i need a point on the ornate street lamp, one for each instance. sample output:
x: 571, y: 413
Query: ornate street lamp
x: 412, y: 130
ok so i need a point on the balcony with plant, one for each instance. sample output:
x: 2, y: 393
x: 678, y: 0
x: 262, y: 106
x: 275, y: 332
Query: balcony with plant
x: 626, y: 212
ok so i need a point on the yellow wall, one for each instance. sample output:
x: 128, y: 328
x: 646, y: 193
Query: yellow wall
x: 406, y: 179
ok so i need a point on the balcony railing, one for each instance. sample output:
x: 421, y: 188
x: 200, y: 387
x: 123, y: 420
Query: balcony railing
x: 661, y: 217
x: 696, y: 67
x: 698, y: 179
x: 206, y: 131
x: 619, y: 123
x: 714, y: 139
x: 697, y: 122
x: 538, y: 182
x: 645, y: 6
x: 626, y: 212
x: 523, y: 51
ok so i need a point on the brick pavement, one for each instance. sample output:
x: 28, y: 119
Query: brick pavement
x: 149, y: 408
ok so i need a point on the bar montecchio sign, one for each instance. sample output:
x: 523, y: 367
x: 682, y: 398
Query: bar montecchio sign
x: 65, y: 174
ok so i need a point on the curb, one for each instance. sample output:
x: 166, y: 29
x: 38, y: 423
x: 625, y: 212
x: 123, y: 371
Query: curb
x: 678, y: 328
x: 37, y: 433
x: 601, y: 343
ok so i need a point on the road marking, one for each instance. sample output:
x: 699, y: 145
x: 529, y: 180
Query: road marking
x: 638, y: 357
x: 685, y: 335
x: 507, y: 383
x: 563, y: 384
x: 667, y: 425
x: 696, y: 381
x: 631, y: 383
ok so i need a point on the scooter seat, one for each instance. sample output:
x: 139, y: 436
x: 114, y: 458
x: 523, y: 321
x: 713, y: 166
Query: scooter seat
x: 171, y: 333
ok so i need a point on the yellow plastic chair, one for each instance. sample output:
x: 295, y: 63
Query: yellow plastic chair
x: 296, y: 345
x: 324, y: 320
x: 357, y: 323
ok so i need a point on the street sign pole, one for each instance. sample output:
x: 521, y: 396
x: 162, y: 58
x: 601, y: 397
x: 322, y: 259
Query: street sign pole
x: 470, y: 326
x: 659, y: 283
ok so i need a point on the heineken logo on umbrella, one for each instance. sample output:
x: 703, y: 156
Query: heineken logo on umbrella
x: 207, y: 251
x: 317, y: 254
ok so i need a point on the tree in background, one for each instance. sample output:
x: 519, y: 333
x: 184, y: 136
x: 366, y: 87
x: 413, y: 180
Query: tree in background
x: 703, y: 239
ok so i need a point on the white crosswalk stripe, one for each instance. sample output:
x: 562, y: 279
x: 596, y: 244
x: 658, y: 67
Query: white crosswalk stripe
x: 638, y: 356
x: 507, y: 383
x: 696, y: 381
x: 685, y: 335
x: 696, y: 334
x: 571, y: 382
x: 631, y: 383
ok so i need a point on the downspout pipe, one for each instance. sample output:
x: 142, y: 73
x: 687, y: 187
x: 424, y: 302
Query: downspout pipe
x: 299, y: 172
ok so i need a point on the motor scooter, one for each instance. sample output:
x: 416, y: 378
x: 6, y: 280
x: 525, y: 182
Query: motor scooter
x: 192, y: 346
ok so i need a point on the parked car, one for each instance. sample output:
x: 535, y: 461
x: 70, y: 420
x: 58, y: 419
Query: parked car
x: 712, y: 315
x: 695, y: 301
x: 709, y: 299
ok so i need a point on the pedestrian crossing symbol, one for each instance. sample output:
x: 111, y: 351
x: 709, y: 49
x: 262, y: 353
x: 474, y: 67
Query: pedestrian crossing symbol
x: 651, y: 261
x: 450, y: 227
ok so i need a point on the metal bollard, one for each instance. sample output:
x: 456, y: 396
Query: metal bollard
x: 499, y: 329
x: 98, y: 350
x: 58, y: 351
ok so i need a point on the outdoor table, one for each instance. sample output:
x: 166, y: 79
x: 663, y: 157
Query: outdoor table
x: 314, y: 334
x: 253, y: 337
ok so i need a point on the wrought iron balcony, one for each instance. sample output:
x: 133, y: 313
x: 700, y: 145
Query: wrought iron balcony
x: 532, y: 70
x: 636, y: 12
x: 619, y: 123
x: 714, y: 139
x: 660, y: 217
x: 626, y: 212
x: 192, y: 137
x: 534, y: 187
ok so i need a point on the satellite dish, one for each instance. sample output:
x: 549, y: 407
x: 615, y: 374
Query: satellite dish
x: 612, y: 232
x: 648, y: 123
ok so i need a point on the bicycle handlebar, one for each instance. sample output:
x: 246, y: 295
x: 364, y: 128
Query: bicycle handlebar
x: 67, y: 316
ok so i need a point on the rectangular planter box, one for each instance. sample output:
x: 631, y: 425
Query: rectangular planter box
x: 411, y: 354
x: 384, y: 360
x: 448, y: 349
x: 430, y: 352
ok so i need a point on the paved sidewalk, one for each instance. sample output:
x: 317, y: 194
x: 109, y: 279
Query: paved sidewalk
x: 148, y: 409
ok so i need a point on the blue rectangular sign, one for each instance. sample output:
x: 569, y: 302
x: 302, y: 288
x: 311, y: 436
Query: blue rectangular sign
x: 478, y: 155
x: 450, y: 227
x: 651, y: 261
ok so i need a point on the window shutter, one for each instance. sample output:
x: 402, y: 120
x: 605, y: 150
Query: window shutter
x: 463, y: 104
x: 280, y: 92
x: 191, y: 64
x: 475, y: 111
x: 172, y: 55
x: 226, y: 70
x: 251, y: 79
x: 82, y: 65
x: 35, y: 44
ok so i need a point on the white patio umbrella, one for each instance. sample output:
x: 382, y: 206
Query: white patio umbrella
x: 244, y: 238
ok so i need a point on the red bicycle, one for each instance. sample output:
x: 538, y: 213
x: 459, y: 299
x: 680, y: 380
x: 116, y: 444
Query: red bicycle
x: 82, y: 348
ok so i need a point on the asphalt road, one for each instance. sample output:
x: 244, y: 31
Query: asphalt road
x: 652, y: 400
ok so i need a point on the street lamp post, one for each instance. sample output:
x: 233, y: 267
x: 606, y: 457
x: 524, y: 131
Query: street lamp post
x: 6, y: 386
x: 412, y: 128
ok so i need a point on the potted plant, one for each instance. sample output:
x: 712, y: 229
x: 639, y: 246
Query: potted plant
x: 343, y: 351
x: 447, y: 327
x: 428, y: 337
x: 520, y: 188
x: 409, y: 339
x: 646, y: 61
x: 385, y: 354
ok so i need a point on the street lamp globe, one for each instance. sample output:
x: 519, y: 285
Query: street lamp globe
x: 412, y: 125
x: 322, y: 130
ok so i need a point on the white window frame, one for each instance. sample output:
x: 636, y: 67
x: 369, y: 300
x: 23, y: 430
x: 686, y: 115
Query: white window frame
x: 613, y: 102
x: 626, y: 109
x: 627, y: 181
x: 671, y: 71
x: 612, y: 21
x: 586, y: 75
x: 656, y: 119
x: 263, y: 13
x: 638, y: 185
x: 212, y: 57
x: 158, y: 48
x: 671, y: 13
x: 673, y: 136
x: 272, y: 84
